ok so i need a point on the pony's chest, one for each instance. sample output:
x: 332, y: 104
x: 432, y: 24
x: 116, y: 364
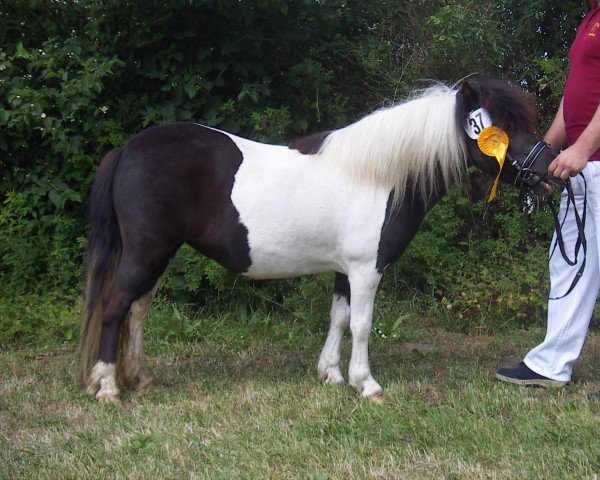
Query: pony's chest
x: 303, y: 217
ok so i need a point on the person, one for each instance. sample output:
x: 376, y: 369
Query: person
x: 577, y: 127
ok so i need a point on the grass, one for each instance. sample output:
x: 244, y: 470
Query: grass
x: 243, y: 402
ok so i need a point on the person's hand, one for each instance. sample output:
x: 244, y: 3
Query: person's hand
x: 569, y: 162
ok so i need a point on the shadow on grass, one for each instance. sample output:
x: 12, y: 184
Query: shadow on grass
x: 438, y: 358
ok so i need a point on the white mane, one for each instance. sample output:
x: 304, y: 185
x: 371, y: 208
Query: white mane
x: 415, y: 139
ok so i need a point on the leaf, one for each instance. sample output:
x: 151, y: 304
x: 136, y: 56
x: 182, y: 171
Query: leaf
x: 190, y: 89
x: 21, y: 52
x: 55, y: 198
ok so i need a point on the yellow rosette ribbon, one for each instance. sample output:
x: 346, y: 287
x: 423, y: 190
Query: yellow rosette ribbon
x: 493, y: 142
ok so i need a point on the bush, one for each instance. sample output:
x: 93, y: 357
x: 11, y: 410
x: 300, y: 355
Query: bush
x: 39, y: 319
x: 486, y: 265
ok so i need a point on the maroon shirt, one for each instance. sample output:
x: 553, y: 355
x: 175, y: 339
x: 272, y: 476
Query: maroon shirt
x: 582, y: 92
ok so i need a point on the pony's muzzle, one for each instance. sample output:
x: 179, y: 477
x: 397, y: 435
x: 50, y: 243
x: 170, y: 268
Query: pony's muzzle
x: 546, y: 186
x: 552, y: 184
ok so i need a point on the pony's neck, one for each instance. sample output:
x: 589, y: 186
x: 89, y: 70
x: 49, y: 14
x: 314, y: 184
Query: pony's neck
x: 406, y: 148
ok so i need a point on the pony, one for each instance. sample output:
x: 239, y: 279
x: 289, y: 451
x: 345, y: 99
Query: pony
x: 347, y: 201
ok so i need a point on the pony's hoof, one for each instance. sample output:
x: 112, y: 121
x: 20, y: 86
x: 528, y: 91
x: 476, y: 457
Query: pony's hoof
x: 332, y: 376
x: 107, y: 398
x: 143, y: 381
x: 108, y: 392
x: 376, y: 398
x: 102, y: 382
x: 92, y: 389
x: 369, y: 388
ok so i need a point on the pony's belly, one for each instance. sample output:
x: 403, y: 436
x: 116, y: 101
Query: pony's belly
x: 289, y: 253
x: 287, y: 266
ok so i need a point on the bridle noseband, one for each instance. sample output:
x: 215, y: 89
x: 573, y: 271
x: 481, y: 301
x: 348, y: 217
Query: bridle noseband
x: 526, y: 177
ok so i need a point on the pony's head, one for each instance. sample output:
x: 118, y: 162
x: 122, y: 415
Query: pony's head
x: 484, y: 103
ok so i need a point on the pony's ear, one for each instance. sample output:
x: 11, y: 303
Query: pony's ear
x: 469, y: 94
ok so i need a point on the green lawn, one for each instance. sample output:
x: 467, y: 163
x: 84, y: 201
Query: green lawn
x: 246, y: 404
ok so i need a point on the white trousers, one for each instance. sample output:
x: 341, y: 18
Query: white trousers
x: 569, y: 317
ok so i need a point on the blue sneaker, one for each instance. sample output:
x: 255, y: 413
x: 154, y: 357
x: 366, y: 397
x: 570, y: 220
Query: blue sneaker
x: 521, y: 374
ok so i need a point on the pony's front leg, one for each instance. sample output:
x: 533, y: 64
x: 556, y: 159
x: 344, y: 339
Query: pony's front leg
x: 363, y: 288
x: 329, y: 361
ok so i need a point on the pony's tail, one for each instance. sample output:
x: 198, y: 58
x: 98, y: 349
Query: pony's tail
x: 104, y: 251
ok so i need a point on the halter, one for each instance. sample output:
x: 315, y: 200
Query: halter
x: 494, y: 142
x: 526, y: 177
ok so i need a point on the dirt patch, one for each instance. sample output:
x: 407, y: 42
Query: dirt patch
x: 445, y: 345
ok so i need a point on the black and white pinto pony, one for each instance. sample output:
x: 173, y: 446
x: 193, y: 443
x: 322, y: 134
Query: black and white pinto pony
x: 347, y: 201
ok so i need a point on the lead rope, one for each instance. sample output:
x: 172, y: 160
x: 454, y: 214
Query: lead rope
x: 581, y: 243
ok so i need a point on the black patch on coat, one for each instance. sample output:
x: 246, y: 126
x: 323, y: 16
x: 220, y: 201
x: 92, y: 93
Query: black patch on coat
x: 311, y: 144
x: 173, y: 185
x: 341, y: 286
x: 169, y: 185
x: 402, y: 222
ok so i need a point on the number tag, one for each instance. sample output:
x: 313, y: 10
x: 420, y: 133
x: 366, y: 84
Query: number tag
x: 476, y: 122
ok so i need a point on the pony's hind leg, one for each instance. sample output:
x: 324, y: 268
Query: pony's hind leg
x: 102, y: 382
x: 134, y: 361
x: 135, y: 275
x: 329, y: 361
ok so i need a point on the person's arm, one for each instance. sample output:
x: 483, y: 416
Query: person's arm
x: 556, y: 136
x: 573, y: 160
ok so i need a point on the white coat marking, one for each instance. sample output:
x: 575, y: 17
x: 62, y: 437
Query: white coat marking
x: 304, y: 216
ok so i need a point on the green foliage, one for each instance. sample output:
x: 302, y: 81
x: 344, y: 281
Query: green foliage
x: 66, y: 98
x: 271, y: 124
x: 553, y: 76
x: 47, y: 319
x: 485, y: 264
x: 30, y: 241
x: 478, y: 30
x: 49, y: 109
